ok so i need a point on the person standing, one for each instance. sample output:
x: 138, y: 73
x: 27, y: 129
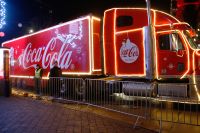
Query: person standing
x: 55, y: 71
x: 38, y: 77
x: 54, y: 80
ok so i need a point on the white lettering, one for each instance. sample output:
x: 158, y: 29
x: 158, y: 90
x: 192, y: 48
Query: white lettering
x: 46, y: 55
x: 56, y: 49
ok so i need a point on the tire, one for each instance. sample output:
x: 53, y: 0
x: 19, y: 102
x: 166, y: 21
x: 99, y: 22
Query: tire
x: 80, y: 88
x: 24, y: 85
x: 13, y: 83
x: 19, y: 84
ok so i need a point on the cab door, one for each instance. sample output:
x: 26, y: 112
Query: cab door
x: 172, y: 56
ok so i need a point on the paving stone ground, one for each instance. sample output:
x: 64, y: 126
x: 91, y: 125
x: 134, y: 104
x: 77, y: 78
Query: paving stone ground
x: 26, y: 115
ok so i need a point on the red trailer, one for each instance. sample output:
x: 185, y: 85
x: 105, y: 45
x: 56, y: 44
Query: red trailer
x: 72, y: 44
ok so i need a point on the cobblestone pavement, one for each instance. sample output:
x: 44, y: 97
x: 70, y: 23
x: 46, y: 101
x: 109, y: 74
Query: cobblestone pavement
x: 26, y: 115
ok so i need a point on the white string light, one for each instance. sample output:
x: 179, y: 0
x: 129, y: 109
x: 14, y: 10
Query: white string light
x: 2, y: 13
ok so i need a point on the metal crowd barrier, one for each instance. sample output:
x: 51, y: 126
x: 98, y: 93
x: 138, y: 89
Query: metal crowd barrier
x: 173, y: 103
x: 177, y: 107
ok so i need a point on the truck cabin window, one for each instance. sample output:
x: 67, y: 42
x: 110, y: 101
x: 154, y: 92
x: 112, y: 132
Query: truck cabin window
x: 124, y: 21
x: 170, y: 42
x: 164, y: 42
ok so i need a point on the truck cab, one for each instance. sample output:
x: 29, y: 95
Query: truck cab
x: 175, y: 57
x: 124, y: 44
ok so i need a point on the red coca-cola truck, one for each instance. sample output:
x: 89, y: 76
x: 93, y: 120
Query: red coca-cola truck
x: 128, y: 48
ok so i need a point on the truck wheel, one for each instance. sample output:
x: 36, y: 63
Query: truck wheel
x: 95, y: 90
x: 13, y: 83
x: 19, y: 84
x: 80, y: 88
x: 24, y: 85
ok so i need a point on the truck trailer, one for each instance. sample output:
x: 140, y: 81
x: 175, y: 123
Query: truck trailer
x: 120, y: 47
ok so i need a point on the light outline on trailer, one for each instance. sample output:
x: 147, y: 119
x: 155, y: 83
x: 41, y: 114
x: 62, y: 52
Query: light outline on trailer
x: 92, y: 29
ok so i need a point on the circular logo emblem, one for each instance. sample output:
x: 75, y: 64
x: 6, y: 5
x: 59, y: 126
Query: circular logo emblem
x: 129, y: 51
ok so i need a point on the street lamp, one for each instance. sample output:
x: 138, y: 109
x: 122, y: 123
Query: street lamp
x: 31, y: 31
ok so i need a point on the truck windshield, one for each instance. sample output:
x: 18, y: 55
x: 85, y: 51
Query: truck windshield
x: 190, y: 40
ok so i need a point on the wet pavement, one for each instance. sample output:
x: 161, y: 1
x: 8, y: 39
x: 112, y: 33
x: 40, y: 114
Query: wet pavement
x: 26, y: 115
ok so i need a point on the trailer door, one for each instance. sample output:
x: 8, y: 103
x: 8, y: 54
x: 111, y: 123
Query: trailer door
x: 172, y: 56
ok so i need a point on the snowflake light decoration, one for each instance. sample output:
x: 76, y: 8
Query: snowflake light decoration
x: 2, y: 13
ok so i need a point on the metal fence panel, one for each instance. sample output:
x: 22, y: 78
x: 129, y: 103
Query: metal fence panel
x: 176, y: 103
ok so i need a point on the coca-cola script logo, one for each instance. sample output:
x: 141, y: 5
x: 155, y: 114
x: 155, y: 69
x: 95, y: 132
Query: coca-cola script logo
x: 129, y: 52
x: 47, y: 54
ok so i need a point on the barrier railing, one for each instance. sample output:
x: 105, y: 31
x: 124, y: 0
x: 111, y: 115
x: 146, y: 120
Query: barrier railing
x: 176, y: 103
x: 182, y: 107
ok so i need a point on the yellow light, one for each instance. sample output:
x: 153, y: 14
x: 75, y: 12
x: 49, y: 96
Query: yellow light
x: 144, y: 63
x: 180, y: 23
x: 115, y: 49
x: 77, y: 73
x: 194, y: 76
x: 97, y: 70
x: 19, y: 76
x: 92, y: 30
x: 154, y: 14
x: 6, y: 49
x: 188, y: 52
x: 96, y: 18
x: 90, y: 43
x: 104, y: 53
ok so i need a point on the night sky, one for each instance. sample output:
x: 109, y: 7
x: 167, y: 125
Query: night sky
x: 39, y: 14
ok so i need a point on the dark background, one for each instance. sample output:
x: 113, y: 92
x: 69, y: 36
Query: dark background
x: 40, y: 14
